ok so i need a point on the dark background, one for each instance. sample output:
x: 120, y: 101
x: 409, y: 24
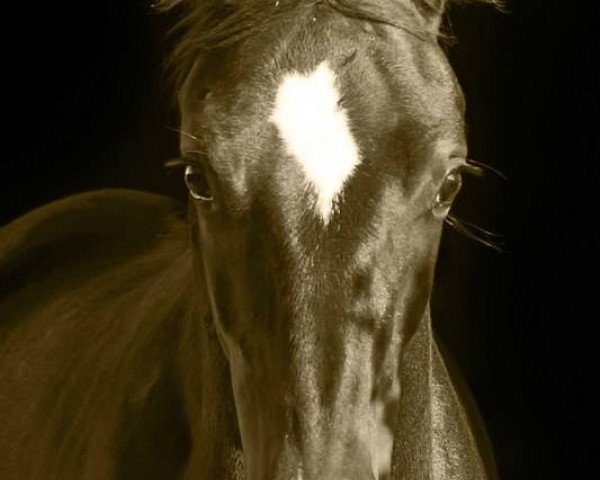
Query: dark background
x: 86, y: 105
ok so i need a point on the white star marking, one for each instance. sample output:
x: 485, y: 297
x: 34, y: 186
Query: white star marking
x: 316, y: 133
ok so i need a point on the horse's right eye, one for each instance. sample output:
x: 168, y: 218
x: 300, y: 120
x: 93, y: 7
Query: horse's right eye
x: 197, y: 183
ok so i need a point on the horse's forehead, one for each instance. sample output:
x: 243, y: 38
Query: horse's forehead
x: 315, y: 112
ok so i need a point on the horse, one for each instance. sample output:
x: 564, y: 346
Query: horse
x: 278, y: 325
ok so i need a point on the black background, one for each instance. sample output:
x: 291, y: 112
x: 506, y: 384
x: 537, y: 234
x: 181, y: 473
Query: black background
x: 86, y: 105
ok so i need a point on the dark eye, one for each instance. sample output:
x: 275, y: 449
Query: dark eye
x: 197, y: 183
x: 447, y: 193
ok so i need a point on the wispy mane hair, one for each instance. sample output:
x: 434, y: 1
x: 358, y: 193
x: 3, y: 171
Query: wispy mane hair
x: 205, y: 25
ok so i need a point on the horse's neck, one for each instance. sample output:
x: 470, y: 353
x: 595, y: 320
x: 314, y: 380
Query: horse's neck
x: 434, y: 435
x: 208, y: 399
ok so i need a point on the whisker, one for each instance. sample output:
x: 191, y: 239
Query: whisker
x: 189, y: 154
x: 174, y: 163
x: 472, y: 170
x: 188, y: 157
x: 182, y: 132
x: 472, y: 231
x: 482, y: 167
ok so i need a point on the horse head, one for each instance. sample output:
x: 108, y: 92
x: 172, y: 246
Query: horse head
x: 323, y: 143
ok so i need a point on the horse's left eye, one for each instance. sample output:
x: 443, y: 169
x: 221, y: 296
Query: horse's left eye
x: 447, y: 193
x: 197, y: 183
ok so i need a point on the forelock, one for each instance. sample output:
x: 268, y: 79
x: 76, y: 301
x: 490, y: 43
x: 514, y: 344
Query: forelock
x: 205, y: 25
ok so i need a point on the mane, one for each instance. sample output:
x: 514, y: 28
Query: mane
x: 205, y: 25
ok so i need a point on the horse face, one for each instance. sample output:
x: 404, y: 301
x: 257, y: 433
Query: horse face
x: 323, y: 156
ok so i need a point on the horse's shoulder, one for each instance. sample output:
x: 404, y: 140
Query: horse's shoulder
x: 93, y: 292
x: 91, y: 228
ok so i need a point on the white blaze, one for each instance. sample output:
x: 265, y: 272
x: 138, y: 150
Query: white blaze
x: 316, y: 132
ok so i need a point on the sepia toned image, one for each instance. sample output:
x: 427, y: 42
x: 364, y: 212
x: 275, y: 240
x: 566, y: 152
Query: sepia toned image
x: 299, y: 240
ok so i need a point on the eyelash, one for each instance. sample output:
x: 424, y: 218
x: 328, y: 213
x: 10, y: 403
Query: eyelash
x: 468, y: 229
